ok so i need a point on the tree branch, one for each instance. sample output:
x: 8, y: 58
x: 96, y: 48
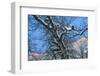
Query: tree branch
x: 51, y: 21
x: 40, y: 20
x: 80, y: 32
x: 83, y: 31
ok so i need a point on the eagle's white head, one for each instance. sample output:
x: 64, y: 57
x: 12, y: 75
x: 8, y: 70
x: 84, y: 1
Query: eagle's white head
x: 68, y: 28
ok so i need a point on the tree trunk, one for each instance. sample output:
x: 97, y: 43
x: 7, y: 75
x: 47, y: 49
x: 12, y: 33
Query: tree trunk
x: 54, y: 33
x: 60, y: 44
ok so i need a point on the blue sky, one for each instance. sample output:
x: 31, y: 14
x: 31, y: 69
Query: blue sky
x: 39, y: 35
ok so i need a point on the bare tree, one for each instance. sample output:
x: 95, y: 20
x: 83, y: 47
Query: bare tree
x: 59, y: 31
